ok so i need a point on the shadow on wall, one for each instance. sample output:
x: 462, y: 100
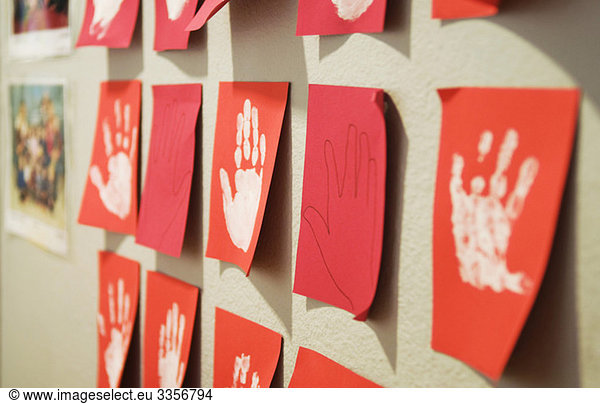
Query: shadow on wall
x: 547, y: 352
x: 396, y: 33
x: 194, y: 370
x: 566, y: 31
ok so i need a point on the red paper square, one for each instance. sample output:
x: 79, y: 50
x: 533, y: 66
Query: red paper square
x: 329, y: 17
x: 108, y: 23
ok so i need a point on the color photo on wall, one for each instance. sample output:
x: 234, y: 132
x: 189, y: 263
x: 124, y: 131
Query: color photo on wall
x: 35, y: 206
x: 40, y: 28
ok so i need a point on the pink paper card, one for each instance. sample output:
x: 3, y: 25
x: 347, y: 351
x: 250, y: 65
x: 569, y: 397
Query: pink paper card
x: 314, y: 370
x: 504, y: 156
x: 119, y: 283
x: 452, y: 9
x: 108, y: 23
x: 171, y: 19
x: 207, y: 10
x: 330, y: 17
x: 165, y: 199
x: 110, y: 196
x: 343, y: 198
x: 168, y: 329
x: 249, y: 120
x: 246, y: 353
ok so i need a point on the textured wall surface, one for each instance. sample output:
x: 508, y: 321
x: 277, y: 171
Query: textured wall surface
x: 48, y: 304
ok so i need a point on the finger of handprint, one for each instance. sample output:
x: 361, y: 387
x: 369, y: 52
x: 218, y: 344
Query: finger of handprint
x: 225, y: 187
x: 372, y: 184
x: 255, y: 125
x: 120, y: 292
x: 100, y: 322
x: 126, y: 306
x: 134, y: 143
x: 507, y: 149
x: 516, y: 200
x: 111, y: 303
x: 350, y: 170
x: 180, y: 138
x: 180, y: 374
x: 318, y: 225
x: 161, y: 341
x: 174, y: 326
x: 362, y: 177
x: 168, y: 330
x: 166, y: 123
x: 263, y: 149
x: 118, y: 113
x: 108, y: 148
x: 127, y: 116
x: 334, y: 188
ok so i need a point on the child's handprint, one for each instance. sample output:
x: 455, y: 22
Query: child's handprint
x: 241, y: 367
x: 347, y: 229
x: 116, y: 193
x: 105, y: 12
x: 120, y: 332
x: 351, y: 9
x: 241, y: 210
x: 170, y: 367
x: 482, y: 225
x: 175, y: 8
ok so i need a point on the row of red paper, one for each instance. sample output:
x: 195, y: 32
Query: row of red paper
x: 492, y: 238
x: 245, y: 353
x: 111, y: 22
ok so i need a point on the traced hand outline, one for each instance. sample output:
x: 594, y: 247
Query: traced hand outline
x: 351, y: 10
x: 171, y: 368
x: 482, y: 225
x: 121, y: 326
x: 241, y: 210
x: 340, y: 238
x: 175, y: 8
x: 241, y: 367
x: 115, y: 194
x: 105, y: 12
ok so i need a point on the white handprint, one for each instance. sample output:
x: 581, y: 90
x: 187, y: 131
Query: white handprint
x: 240, y: 372
x: 482, y: 225
x: 170, y: 367
x: 175, y: 8
x: 120, y: 332
x: 241, y: 210
x: 351, y: 10
x: 104, y: 13
x: 116, y: 193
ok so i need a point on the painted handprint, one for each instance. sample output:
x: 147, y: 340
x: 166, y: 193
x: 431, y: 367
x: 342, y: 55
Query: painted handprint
x: 105, y: 12
x: 241, y: 209
x: 347, y: 228
x: 175, y: 8
x: 116, y: 192
x: 351, y: 10
x: 121, y: 325
x: 241, y: 367
x: 482, y: 224
x: 170, y: 367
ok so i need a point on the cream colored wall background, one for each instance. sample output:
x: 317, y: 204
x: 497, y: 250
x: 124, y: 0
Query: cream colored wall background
x: 48, y: 304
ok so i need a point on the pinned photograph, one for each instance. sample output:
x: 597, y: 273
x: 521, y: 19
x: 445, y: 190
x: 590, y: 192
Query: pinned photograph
x: 36, y: 205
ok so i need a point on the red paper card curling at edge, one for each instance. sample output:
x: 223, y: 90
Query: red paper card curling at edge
x: 171, y: 20
x: 119, y: 282
x: 341, y: 231
x: 314, y: 370
x: 246, y: 353
x: 207, y: 10
x: 452, y: 9
x: 165, y: 199
x: 504, y: 156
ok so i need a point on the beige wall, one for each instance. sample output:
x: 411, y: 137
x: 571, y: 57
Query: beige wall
x: 47, y: 319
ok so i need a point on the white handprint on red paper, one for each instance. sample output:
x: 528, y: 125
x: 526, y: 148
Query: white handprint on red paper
x: 241, y: 367
x: 116, y: 192
x: 120, y: 332
x: 351, y: 9
x: 482, y: 225
x: 105, y: 12
x: 170, y: 367
x: 241, y: 209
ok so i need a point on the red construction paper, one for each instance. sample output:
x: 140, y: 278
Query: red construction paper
x: 343, y: 198
x: 243, y: 161
x: 172, y: 18
x: 110, y: 196
x: 108, y: 23
x: 330, y: 17
x: 451, y: 9
x: 165, y: 199
x: 168, y: 329
x: 504, y: 157
x: 314, y: 370
x: 246, y: 353
x: 119, y: 283
x: 207, y: 10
